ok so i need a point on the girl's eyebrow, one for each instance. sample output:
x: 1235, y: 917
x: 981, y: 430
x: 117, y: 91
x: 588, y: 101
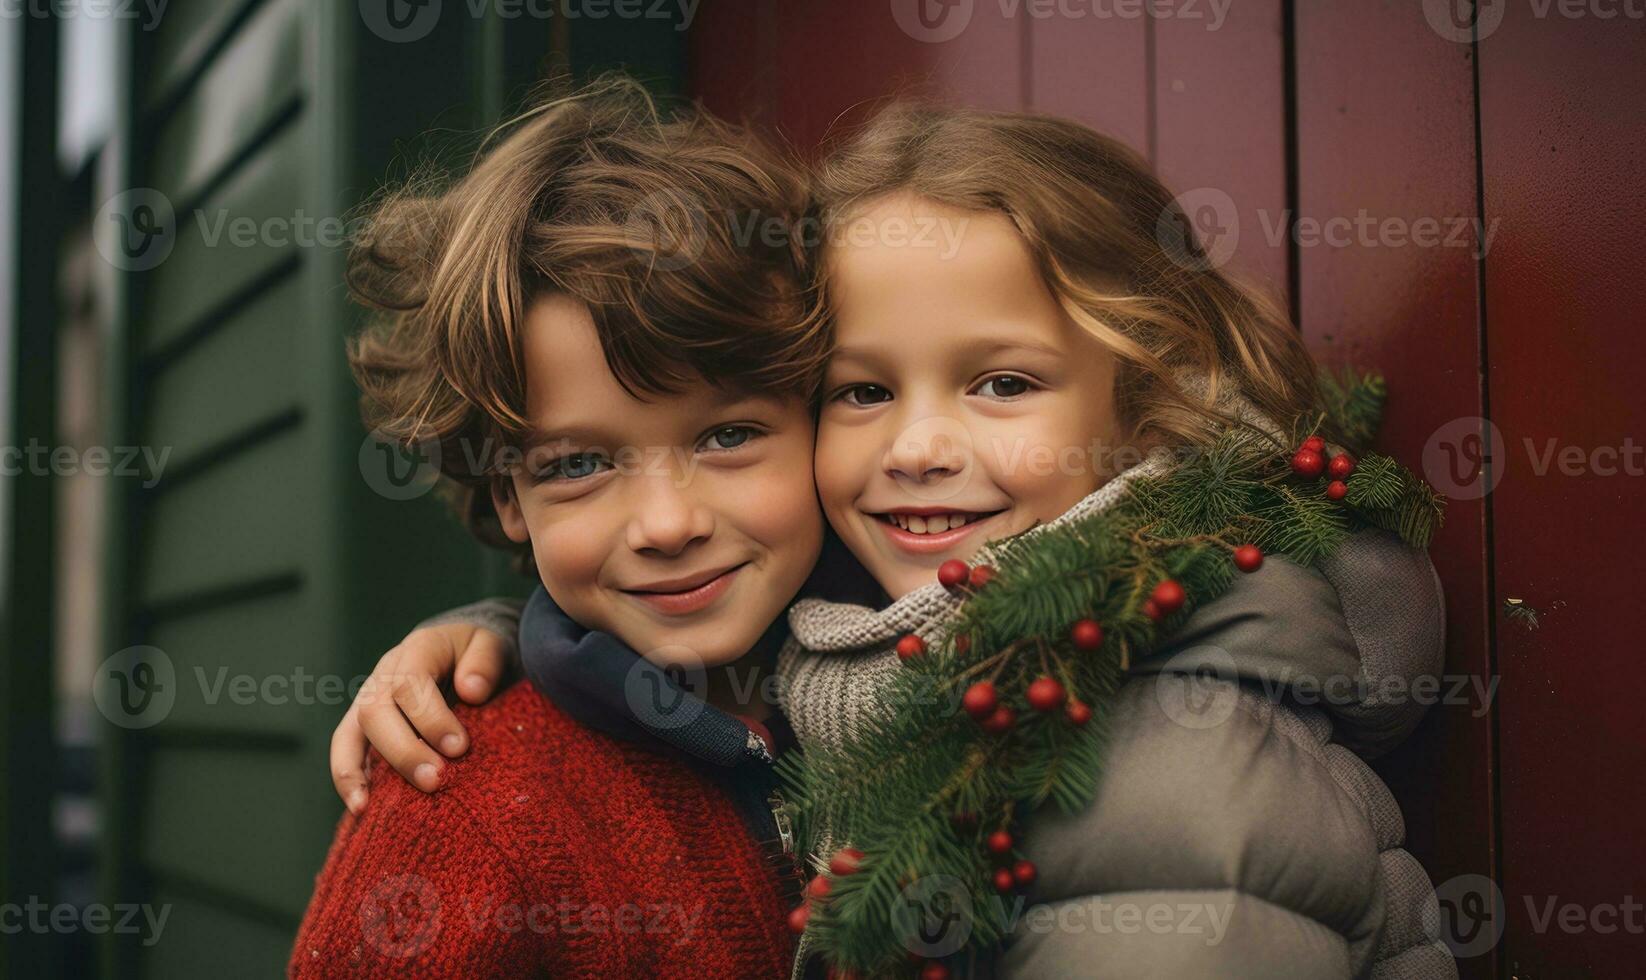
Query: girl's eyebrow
x: 980, y: 346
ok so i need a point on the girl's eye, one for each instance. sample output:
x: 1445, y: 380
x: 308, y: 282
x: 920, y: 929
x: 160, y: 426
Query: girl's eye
x: 862, y: 396
x: 1005, y: 386
x: 729, y: 437
x: 576, y: 466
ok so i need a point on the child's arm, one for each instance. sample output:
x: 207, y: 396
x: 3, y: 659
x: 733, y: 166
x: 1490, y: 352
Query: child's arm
x: 400, y: 710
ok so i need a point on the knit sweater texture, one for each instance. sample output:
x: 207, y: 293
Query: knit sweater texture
x: 551, y: 849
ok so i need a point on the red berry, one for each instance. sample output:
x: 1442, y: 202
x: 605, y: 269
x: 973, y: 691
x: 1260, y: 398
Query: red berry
x: 845, y: 861
x: 1046, y: 695
x: 910, y: 646
x: 953, y: 573
x: 1307, y: 462
x: 964, y: 820
x: 1025, y: 872
x: 962, y: 644
x: 1078, y: 713
x: 980, y: 576
x: 999, y: 842
x: 1087, y: 634
x: 1336, y: 490
x: 1168, y: 596
x: 1248, y: 558
x: 1152, y: 611
x: 1000, y: 722
x: 1003, y: 882
x: 1314, y: 444
x: 1341, y: 466
x: 934, y: 970
x: 979, y: 701
x: 798, y: 917
x: 819, y: 887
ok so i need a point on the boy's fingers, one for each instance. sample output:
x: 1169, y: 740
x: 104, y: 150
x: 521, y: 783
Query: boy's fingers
x: 392, y: 736
x: 348, y: 755
x: 481, y: 665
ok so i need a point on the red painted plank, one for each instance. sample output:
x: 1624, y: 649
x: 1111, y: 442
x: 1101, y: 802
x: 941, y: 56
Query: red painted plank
x: 800, y: 65
x: 1220, y: 123
x: 1092, y: 70
x: 1386, y: 131
x: 1563, y: 131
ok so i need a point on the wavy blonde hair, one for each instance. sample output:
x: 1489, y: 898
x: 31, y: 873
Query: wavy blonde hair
x: 1109, y: 241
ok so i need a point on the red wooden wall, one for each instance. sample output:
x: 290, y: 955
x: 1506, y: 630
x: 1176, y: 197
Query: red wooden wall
x: 1388, y: 114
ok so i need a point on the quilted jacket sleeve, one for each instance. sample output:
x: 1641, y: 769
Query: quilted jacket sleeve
x: 1233, y: 835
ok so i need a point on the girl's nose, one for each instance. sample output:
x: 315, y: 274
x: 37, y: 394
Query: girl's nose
x: 927, y: 451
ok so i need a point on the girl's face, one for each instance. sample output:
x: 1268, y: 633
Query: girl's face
x: 683, y: 524
x: 961, y: 405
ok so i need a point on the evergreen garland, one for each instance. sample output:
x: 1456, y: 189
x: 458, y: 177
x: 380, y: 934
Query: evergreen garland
x: 926, y: 788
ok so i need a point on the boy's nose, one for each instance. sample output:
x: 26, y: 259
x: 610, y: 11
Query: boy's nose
x: 667, y: 518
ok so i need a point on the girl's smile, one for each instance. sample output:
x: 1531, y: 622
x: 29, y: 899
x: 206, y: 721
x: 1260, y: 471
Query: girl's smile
x: 954, y: 377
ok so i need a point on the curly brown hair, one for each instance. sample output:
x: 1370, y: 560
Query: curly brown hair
x: 649, y: 217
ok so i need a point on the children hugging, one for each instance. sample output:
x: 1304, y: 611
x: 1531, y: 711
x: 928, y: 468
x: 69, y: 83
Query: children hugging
x: 771, y: 485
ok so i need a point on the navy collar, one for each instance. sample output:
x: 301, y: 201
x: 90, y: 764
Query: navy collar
x: 602, y: 683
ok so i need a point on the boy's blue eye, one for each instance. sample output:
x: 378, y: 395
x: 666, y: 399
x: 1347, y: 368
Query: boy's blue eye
x: 1005, y: 386
x: 729, y: 437
x: 574, y: 467
x: 863, y: 395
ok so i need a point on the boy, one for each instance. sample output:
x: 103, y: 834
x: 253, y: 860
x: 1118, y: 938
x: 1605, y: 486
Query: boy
x: 567, y: 300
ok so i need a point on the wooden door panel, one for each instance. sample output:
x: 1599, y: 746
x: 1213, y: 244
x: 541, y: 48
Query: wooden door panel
x: 1563, y: 134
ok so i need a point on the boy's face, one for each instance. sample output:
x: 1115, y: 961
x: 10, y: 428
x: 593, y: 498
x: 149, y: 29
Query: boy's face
x: 961, y: 405
x: 682, y: 525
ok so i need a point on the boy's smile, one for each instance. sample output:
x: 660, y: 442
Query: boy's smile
x: 956, y: 389
x: 683, y: 524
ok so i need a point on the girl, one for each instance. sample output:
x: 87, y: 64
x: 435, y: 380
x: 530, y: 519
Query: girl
x: 1021, y: 398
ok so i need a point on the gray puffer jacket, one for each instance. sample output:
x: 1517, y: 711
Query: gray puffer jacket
x: 1237, y: 831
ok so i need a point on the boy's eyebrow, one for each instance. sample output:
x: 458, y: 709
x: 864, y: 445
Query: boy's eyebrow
x: 590, y: 433
x: 534, y: 437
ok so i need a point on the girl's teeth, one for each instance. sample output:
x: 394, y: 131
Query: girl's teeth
x: 930, y: 524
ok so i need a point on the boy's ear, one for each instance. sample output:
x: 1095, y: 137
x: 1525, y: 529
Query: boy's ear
x: 507, y: 506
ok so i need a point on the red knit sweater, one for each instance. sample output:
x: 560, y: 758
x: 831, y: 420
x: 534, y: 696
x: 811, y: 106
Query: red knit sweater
x: 552, y: 849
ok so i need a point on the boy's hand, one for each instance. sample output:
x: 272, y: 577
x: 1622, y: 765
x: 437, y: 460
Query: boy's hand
x: 401, y: 701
